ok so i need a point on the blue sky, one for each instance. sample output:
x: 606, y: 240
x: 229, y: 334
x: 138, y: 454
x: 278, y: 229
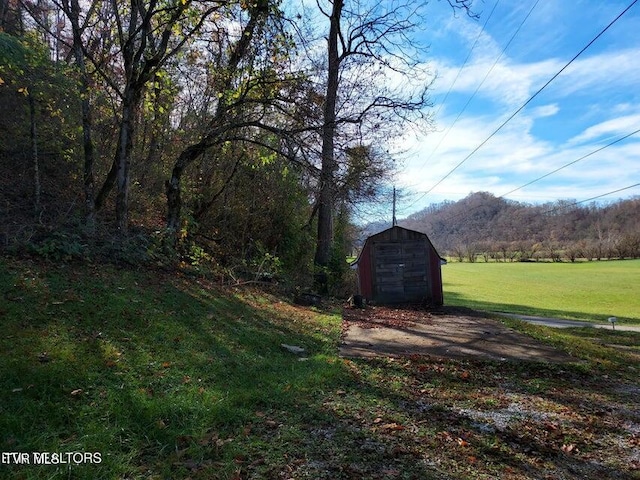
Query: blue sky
x: 592, y: 103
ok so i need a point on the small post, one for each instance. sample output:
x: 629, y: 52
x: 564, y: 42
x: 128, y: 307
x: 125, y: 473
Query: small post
x: 394, y: 222
x: 612, y: 321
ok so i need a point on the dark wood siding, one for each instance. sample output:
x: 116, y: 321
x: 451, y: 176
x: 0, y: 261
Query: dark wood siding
x: 399, y: 266
x: 400, y: 271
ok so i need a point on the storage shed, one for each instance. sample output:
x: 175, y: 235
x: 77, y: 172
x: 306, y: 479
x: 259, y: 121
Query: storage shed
x: 399, y: 266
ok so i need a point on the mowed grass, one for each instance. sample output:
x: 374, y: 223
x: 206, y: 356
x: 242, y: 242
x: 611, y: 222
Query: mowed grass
x: 167, y: 376
x: 157, y: 372
x: 585, y: 290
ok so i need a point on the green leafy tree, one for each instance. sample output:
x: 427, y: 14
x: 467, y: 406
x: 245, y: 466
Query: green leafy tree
x: 38, y: 93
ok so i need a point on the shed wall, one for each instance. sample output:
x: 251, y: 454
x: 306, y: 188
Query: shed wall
x: 400, y: 266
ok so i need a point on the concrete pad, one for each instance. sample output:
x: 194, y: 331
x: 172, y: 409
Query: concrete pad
x: 382, y: 331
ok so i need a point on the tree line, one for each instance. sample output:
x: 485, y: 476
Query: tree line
x: 238, y: 132
x: 484, y: 227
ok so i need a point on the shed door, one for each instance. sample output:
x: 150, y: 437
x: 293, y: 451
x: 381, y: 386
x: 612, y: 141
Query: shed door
x: 400, y: 272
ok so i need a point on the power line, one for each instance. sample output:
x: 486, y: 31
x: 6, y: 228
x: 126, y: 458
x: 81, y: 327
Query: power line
x: 478, y: 207
x: 593, y: 198
x: 467, y: 59
x: 481, y: 83
x: 527, y: 102
x: 464, y: 63
x: 571, y: 163
x: 624, y: 137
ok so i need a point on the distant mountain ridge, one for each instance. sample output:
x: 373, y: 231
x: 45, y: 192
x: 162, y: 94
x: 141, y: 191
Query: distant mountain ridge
x: 482, y: 222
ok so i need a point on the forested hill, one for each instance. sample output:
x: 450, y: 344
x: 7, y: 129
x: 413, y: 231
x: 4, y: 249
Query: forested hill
x: 482, y: 224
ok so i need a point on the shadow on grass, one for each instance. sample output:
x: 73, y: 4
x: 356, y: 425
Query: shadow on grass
x: 455, y: 299
x: 170, y: 378
x: 148, y: 371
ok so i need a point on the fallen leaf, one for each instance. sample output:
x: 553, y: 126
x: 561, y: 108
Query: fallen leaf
x: 183, y: 441
x: 569, y: 448
x: 76, y: 392
x: 394, y: 427
x: 462, y: 442
x: 293, y: 348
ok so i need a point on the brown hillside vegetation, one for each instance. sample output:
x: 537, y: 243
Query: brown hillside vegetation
x: 484, y: 226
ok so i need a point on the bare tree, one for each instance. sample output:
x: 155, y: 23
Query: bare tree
x: 72, y: 10
x: 366, y: 42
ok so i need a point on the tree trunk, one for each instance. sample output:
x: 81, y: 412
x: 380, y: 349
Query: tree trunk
x: 34, y: 153
x: 87, y: 140
x: 325, y: 206
x: 174, y: 200
x: 123, y: 158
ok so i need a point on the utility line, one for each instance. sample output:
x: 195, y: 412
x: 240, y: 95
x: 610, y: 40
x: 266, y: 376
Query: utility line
x: 481, y: 83
x: 478, y: 207
x: 571, y: 163
x: 592, y: 198
x: 527, y: 102
x: 464, y: 63
x: 467, y: 59
x: 557, y: 170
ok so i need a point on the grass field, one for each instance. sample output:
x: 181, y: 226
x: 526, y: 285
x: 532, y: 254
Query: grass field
x: 166, y: 376
x: 586, y: 290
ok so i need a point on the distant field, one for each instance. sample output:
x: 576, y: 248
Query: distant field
x: 588, y: 291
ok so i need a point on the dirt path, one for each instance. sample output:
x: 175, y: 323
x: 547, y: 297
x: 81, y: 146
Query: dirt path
x: 448, y: 332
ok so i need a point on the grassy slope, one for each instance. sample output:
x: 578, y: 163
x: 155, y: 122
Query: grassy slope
x: 170, y: 377
x: 589, y: 290
x: 157, y: 359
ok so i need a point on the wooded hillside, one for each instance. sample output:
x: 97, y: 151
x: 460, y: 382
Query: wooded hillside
x: 482, y: 225
x: 237, y: 133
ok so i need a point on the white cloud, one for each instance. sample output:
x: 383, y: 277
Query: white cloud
x: 545, y: 111
x: 614, y: 127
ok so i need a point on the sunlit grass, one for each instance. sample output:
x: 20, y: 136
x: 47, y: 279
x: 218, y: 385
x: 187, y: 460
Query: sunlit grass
x: 138, y: 366
x: 170, y: 377
x: 586, y: 290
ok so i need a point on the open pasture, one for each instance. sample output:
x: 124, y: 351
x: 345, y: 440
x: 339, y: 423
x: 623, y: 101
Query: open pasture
x: 586, y: 290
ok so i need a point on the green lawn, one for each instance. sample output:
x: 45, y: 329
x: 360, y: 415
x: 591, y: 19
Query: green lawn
x: 585, y: 290
x: 159, y: 375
